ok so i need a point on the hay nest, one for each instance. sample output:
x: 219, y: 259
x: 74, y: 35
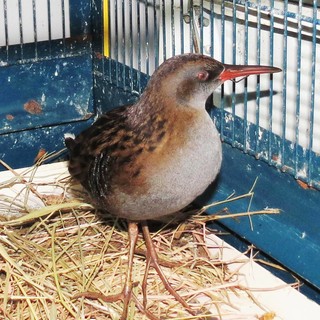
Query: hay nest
x: 56, y: 247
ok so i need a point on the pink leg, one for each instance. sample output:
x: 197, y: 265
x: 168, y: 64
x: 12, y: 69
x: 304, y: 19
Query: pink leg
x: 152, y: 260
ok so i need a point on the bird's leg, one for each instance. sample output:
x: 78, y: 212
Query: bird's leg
x: 152, y: 261
x: 133, y: 232
x: 145, y: 279
x: 126, y: 293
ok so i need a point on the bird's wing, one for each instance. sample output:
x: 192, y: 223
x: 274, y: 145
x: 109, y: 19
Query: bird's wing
x: 95, y: 152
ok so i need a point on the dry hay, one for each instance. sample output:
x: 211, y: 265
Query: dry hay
x: 50, y: 255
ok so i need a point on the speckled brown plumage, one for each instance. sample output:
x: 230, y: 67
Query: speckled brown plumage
x: 114, y: 148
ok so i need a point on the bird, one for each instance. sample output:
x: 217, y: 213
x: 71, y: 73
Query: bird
x: 152, y: 158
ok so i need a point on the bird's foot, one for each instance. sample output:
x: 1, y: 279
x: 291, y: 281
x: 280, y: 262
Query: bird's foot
x: 125, y: 296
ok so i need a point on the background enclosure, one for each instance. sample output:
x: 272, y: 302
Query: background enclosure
x: 62, y: 62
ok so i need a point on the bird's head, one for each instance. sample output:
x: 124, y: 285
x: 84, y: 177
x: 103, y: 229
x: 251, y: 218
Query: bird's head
x: 189, y: 79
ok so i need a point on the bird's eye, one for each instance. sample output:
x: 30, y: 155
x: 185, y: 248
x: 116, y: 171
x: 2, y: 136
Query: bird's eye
x: 203, y: 75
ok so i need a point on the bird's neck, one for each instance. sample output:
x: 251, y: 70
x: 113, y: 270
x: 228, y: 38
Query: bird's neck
x: 157, y: 113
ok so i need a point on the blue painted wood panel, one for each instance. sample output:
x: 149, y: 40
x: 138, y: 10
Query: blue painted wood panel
x: 61, y: 90
x: 292, y: 237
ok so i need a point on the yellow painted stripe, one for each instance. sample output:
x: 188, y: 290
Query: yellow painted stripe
x: 106, y: 40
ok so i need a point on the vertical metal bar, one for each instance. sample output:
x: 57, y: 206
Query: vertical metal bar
x: 139, y: 47
x: 201, y: 27
x: 35, y: 35
x: 147, y: 49
x: 20, y: 30
x: 173, y: 36
x: 63, y: 26
x: 6, y: 34
x: 105, y: 45
x: 312, y: 95
x: 123, y: 43
x: 49, y: 26
x: 191, y: 25
x: 270, y: 134
x: 246, y: 40
x: 284, y: 86
x: 116, y: 36
x: 131, y: 45
x: 212, y: 28
x: 212, y: 16
x: 164, y: 38
x: 257, y: 135
x: 110, y: 42
x: 222, y: 60
x: 296, y: 151
x: 259, y: 26
x: 234, y: 61
x: 181, y: 26
x: 234, y: 32
x: 156, y: 34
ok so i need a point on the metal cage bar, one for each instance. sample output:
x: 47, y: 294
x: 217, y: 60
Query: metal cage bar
x: 245, y: 102
x: 271, y: 62
x: 310, y: 154
x: 298, y: 86
x: 258, y: 61
x: 284, y: 91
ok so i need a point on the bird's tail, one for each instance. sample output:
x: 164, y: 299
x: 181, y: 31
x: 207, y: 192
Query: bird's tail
x: 69, y: 141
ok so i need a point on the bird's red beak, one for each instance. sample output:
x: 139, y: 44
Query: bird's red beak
x: 234, y: 71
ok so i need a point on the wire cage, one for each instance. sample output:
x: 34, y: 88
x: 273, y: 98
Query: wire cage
x: 62, y: 62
